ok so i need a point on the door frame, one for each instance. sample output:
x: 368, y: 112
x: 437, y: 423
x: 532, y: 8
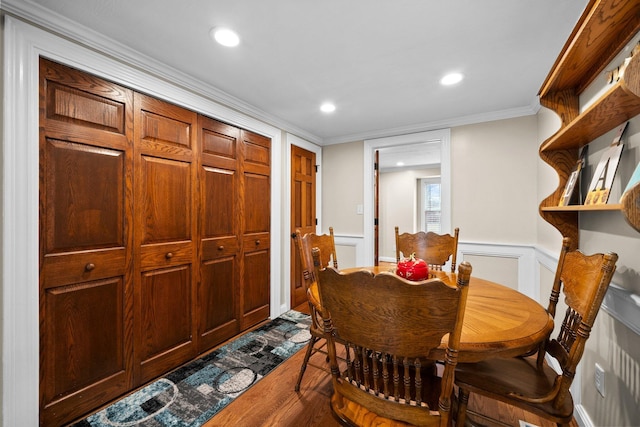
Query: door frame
x: 370, y: 146
x: 289, y: 140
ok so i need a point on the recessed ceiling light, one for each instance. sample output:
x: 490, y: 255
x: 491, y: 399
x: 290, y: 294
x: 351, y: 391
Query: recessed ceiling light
x: 451, y: 79
x: 327, y: 107
x: 400, y: 164
x: 225, y: 36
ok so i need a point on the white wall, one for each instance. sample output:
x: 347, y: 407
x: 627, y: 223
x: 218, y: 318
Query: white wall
x: 493, y: 179
x: 342, y: 188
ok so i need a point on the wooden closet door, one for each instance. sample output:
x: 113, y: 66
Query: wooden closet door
x: 256, y: 238
x: 218, y: 289
x: 86, y: 293
x: 165, y: 237
x: 303, y: 213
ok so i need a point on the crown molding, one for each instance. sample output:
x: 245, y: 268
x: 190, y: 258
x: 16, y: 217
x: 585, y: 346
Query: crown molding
x: 62, y: 26
x: 37, y: 15
x: 511, y: 113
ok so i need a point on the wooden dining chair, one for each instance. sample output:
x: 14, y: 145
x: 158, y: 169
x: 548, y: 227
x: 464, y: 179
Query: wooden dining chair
x: 435, y: 249
x: 390, y: 329
x: 304, y: 243
x: 528, y: 382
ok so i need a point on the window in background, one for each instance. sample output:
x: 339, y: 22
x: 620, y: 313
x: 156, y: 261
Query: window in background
x: 430, y: 204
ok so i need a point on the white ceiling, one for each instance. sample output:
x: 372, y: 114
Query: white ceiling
x: 378, y: 61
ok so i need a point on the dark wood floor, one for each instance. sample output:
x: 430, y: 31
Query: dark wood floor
x: 273, y: 402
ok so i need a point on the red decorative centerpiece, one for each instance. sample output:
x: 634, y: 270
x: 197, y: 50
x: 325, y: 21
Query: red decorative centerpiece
x: 413, y: 268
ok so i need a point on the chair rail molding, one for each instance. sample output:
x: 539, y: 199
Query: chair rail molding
x: 623, y: 306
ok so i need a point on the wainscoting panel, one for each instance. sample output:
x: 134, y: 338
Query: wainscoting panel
x: 510, y: 265
x: 350, y: 251
x: 503, y: 270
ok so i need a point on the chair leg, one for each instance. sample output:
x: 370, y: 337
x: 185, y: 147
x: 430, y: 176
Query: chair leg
x: 463, y: 400
x: 307, y: 355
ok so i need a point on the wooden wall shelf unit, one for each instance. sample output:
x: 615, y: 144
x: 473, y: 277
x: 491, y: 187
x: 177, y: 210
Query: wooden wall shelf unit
x: 603, y: 30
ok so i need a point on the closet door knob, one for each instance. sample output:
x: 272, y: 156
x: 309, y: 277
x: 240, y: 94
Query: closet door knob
x: 89, y: 266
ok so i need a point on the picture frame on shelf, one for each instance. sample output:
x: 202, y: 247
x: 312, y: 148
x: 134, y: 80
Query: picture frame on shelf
x: 570, y: 196
x: 600, y: 187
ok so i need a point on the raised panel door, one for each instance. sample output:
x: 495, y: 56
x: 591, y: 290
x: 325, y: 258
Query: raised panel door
x: 256, y: 217
x: 218, y: 289
x: 303, y: 213
x: 165, y: 236
x: 86, y: 293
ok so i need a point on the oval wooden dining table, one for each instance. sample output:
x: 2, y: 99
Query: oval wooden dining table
x: 498, y: 321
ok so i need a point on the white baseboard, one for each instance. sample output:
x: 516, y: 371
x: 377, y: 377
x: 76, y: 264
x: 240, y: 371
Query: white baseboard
x: 582, y: 417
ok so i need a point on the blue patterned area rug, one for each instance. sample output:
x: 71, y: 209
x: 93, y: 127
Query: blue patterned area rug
x: 195, y: 392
